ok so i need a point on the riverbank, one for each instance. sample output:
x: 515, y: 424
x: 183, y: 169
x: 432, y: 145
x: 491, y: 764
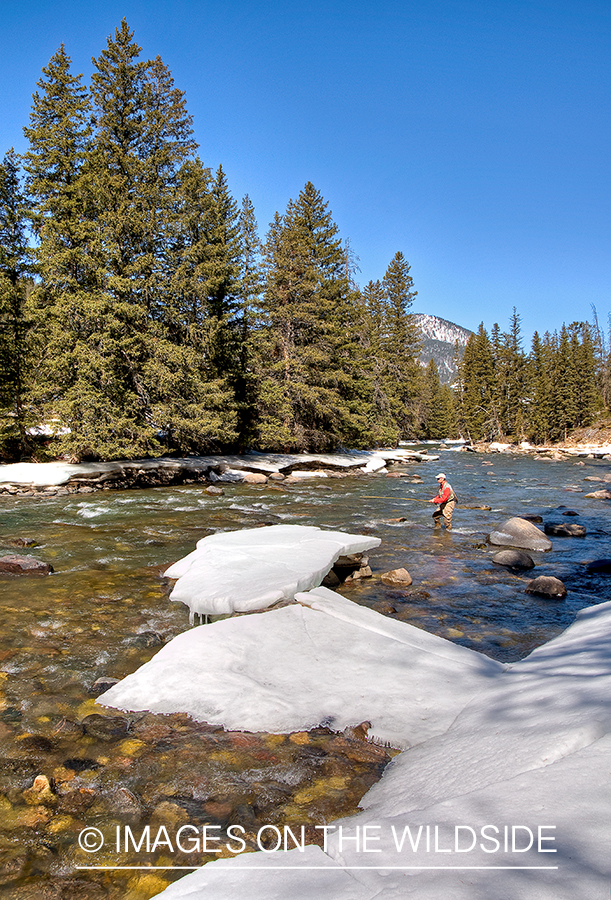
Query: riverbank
x: 60, y: 478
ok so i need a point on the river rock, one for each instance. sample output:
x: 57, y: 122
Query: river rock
x: 146, y: 639
x: 213, y: 489
x: 547, y: 586
x: 101, y: 685
x: 565, y: 529
x: 22, y: 542
x: 24, y: 565
x: 593, y: 478
x: 126, y: 805
x: 40, y: 793
x: 331, y: 580
x: 363, y: 572
x: 596, y: 495
x: 106, y: 728
x: 570, y: 512
x: 600, y: 567
x: 520, y: 533
x: 513, y: 559
x: 255, y: 478
x: 531, y: 517
x: 397, y: 578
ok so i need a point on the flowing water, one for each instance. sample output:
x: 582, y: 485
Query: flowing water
x: 105, y: 611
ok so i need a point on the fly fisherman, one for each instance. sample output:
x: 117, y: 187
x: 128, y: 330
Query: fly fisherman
x: 446, y: 501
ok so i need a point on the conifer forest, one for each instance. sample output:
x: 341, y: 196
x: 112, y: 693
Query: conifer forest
x: 142, y: 314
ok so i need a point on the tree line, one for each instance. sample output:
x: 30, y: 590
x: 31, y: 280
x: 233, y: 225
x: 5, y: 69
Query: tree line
x: 504, y: 393
x: 141, y: 313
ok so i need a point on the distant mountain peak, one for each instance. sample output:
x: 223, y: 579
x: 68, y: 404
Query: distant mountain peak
x: 439, y: 338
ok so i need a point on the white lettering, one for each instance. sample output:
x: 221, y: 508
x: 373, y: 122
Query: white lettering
x: 543, y: 837
x: 487, y: 837
x: 233, y: 836
x: 458, y: 849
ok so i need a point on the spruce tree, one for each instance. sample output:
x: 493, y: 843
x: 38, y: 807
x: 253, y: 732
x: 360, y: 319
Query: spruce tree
x: 437, y: 412
x: 305, y: 384
x: 478, y: 413
x: 67, y: 304
x: 511, y: 379
x: 14, y: 269
x: 401, y: 345
x: 384, y: 428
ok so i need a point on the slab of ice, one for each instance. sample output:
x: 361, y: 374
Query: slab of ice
x: 331, y: 662
x: 256, y: 876
x: 241, y: 571
x: 531, y: 749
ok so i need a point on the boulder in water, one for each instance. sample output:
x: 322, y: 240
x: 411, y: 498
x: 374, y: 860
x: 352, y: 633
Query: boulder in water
x: 23, y: 565
x: 513, y: 559
x: 565, y: 529
x: 520, y: 533
x: 600, y: 567
x: 397, y: 578
x: 547, y: 586
x: 600, y: 495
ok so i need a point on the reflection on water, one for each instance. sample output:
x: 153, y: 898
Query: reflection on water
x: 105, y: 612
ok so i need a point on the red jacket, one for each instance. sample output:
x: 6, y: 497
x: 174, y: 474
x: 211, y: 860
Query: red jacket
x: 444, y: 494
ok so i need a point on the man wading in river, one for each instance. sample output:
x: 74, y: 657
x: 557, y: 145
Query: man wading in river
x: 446, y: 501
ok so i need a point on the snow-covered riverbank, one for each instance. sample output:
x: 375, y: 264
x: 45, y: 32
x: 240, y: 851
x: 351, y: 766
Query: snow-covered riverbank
x: 509, y: 799
x: 502, y: 790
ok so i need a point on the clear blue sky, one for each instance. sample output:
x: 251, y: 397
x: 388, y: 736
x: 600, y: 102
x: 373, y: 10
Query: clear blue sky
x: 473, y: 135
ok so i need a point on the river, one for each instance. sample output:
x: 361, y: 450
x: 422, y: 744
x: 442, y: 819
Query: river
x: 105, y: 611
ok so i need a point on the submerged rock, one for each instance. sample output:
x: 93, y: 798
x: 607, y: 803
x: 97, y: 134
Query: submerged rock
x: 600, y: 567
x: 600, y: 495
x: 547, y: 586
x: 513, y: 559
x: 565, y: 529
x: 106, y: 728
x: 100, y: 685
x: 23, y: 565
x: 520, y: 533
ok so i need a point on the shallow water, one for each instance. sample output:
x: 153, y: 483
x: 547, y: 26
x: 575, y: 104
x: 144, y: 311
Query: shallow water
x: 105, y: 612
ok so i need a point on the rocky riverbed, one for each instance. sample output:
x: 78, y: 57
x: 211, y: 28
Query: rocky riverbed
x: 68, y: 764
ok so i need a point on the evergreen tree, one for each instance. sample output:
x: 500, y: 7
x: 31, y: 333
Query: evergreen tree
x: 14, y: 267
x: 511, y: 378
x: 401, y: 345
x: 304, y: 396
x: 66, y: 303
x: 249, y: 311
x: 384, y: 428
x: 539, y: 390
x: 478, y: 413
x: 438, y: 415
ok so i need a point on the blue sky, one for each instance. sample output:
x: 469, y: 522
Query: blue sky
x: 473, y: 136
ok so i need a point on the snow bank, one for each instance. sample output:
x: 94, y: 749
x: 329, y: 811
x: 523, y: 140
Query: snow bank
x: 330, y: 662
x: 527, y: 756
x: 241, y: 571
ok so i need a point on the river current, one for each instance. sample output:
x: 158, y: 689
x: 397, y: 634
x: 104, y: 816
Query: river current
x: 105, y: 611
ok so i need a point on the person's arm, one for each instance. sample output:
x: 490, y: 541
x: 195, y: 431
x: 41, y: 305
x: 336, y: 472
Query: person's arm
x: 443, y: 495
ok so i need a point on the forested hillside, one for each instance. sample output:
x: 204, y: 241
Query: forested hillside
x: 141, y: 313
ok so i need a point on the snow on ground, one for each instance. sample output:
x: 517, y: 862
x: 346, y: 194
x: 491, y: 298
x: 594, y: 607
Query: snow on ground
x: 290, y: 669
x: 472, y: 811
x: 241, y: 571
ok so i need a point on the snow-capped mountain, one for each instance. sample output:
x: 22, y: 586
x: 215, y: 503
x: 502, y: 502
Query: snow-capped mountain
x: 439, y: 338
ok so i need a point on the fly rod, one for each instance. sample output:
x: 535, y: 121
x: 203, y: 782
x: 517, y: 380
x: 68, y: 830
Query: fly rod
x: 418, y: 500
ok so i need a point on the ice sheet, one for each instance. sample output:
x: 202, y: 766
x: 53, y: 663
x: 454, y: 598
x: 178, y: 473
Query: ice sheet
x: 293, y: 668
x: 531, y: 748
x: 240, y: 571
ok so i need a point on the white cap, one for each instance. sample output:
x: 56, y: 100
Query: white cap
x: 441, y: 475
